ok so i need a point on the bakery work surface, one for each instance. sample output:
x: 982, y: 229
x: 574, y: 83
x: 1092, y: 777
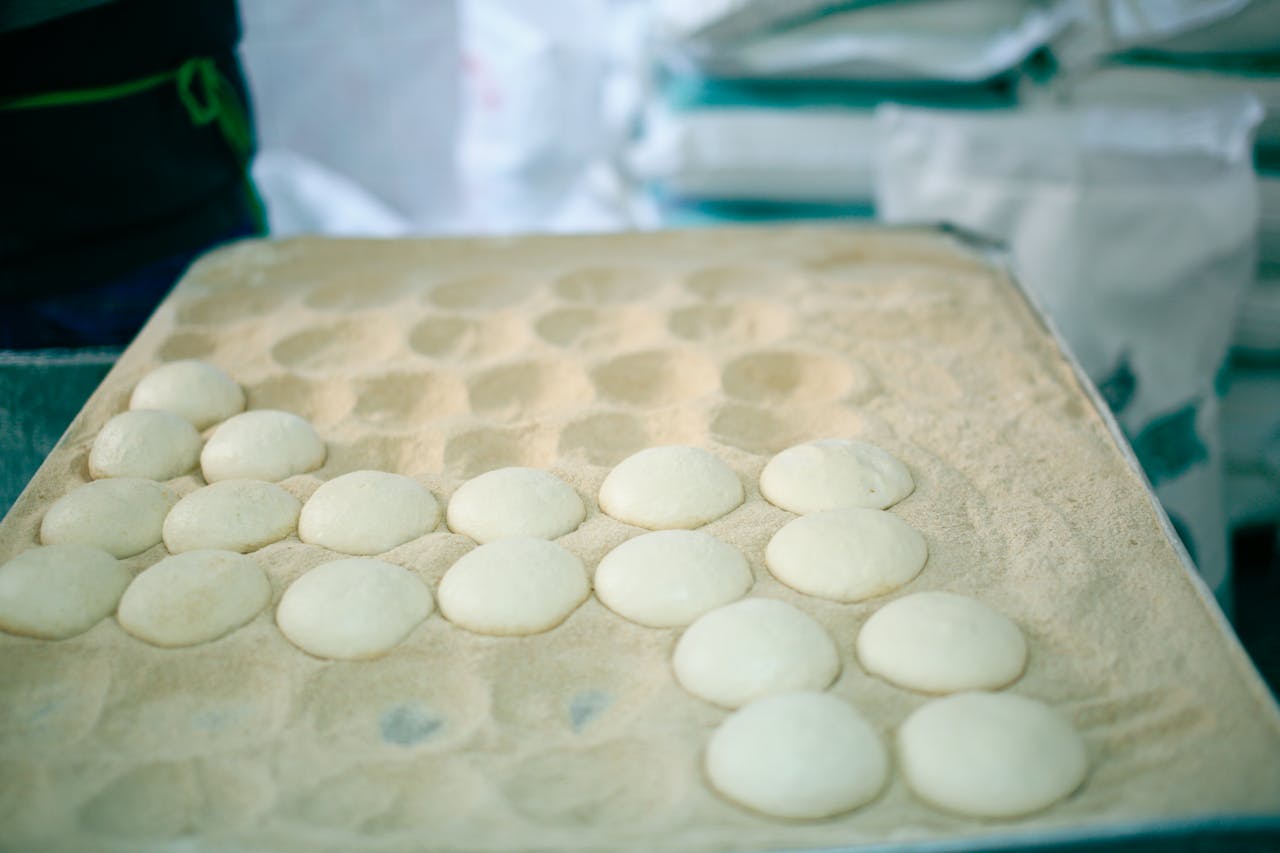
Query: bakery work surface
x: 444, y: 359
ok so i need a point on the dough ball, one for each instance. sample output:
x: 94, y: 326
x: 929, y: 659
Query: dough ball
x: 834, y: 473
x: 671, y: 577
x: 147, y: 443
x: 846, y: 554
x: 518, y: 585
x: 515, y: 502
x: 353, y: 609
x: 670, y: 487
x: 990, y: 755
x: 937, y: 642
x: 261, y: 445
x: 193, y: 598
x: 234, y: 515
x: 801, y: 754
x: 368, y: 512
x: 196, y: 390
x: 58, y: 591
x: 752, y: 648
x: 123, y: 515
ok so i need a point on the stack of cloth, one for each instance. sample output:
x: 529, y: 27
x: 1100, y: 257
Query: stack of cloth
x: 765, y: 110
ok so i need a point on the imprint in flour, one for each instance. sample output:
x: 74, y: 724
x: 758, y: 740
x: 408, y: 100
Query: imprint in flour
x: 741, y: 322
x: 603, y: 439
x: 1120, y: 719
x: 409, y: 455
x: 586, y: 706
x: 409, y: 400
x: 51, y: 700
x: 481, y: 292
x: 339, y: 347
x: 520, y: 391
x: 165, y: 799
x: 448, y: 337
x: 231, y: 305
x: 614, y: 783
x: 379, y: 798
x: 657, y: 377
x: 777, y: 376
x: 319, y: 401
x: 613, y: 327
x: 757, y: 430
x: 487, y: 448
x: 408, y: 723
x: 356, y: 292
x: 734, y: 283
x: 608, y: 285
x: 26, y: 801
x: 184, y: 345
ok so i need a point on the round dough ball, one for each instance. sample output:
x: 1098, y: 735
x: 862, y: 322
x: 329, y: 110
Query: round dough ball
x: 846, y: 554
x: 752, y: 648
x: 148, y: 443
x: 670, y: 487
x: 353, y: 609
x: 671, y: 577
x: 122, y: 515
x: 234, y: 515
x: 802, y: 755
x: 937, y: 642
x: 515, y: 502
x: 517, y: 585
x: 990, y: 754
x: 59, y: 591
x: 261, y: 445
x: 834, y: 473
x: 196, y: 390
x: 193, y: 598
x: 367, y: 512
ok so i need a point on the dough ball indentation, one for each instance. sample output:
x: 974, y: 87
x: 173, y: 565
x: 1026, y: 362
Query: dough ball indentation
x: 846, y: 554
x: 121, y: 515
x: 991, y: 755
x: 801, y: 755
x: 353, y: 609
x: 834, y: 473
x: 607, y: 285
x: 656, y: 378
x: 149, y: 443
x: 367, y: 512
x: 670, y: 487
x: 515, y: 502
x: 938, y: 642
x: 671, y: 577
x: 192, y: 598
x: 265, y: 444
x: 778, y: 377
x: 513, y: 586
x: 232, y: 515
x: 196, y: 390
x: 752, y: 648
x: 58, y: 591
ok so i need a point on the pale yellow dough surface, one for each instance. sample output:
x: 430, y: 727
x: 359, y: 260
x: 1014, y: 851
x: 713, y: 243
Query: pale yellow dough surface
x: 440, y: 360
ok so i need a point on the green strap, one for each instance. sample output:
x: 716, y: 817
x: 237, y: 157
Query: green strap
x: 205, y: 93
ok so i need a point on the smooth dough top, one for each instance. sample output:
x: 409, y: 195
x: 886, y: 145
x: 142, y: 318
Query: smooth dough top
x: 196, y: 390
x: 991, y: 755
x: 353, y: 609
x: 834, y: 473
x: 367, y: 512
x: 515, y: 502
x: 149, y: 443
x: 195, y: 597
x: 800, y: 755
x: 671, y: 577
x: 265, y: 444
x: 670, y: 487
x: 752, y: 648
x: 58, y: 591
x: 938, y: 642
x: 234, y: 515
x: 121, y: 515
x: 517, y: 585
x: 846, y: 554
